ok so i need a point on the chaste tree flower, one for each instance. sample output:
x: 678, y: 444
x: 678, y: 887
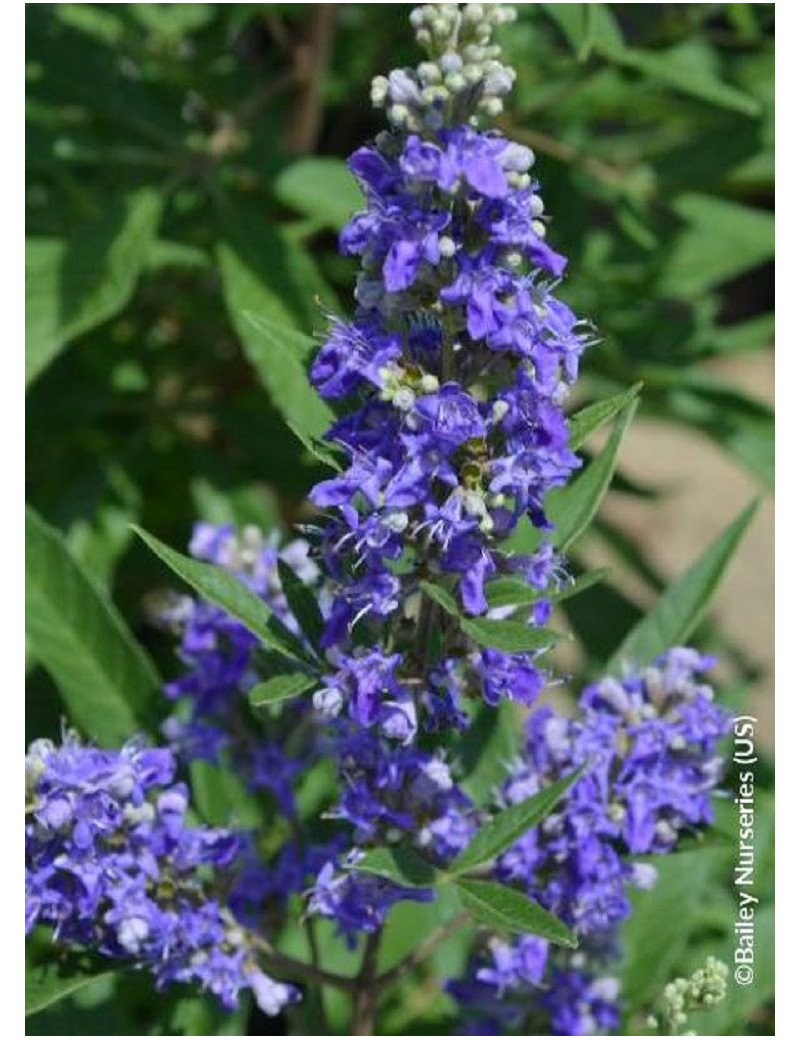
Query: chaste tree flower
x: 450, y: 383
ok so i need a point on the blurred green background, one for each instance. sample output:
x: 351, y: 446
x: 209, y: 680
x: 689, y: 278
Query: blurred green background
x: 185, y: 163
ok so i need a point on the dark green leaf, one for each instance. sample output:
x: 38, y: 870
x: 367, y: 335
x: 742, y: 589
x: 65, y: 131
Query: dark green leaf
x: 504, y: 909
x: 571, y: 508
x: 302, y: 603
x: 681, y: 607
x: 220, y: 587
x: 514, y: 637
x: 509, y: 825
x: 593, y: 416
x: 398, y: 864
x: 103, y: 674
x: 74, y: 284
x: 279, y: 688
x: 321, y: 188
x: 52, y: 980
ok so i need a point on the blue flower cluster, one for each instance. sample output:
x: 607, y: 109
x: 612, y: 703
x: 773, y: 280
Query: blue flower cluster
x: 110, y: 864
x: 648, y: 742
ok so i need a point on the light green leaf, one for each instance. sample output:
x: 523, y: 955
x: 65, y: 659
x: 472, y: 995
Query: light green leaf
x: 681, y: 607
x: 398, y: 864
x: 509, y: 825
x: 321, y: 188
x: 683, y: 70
x: 583, y: 424
x: 51, y: 981
x: 441, y: 596
x: 72, y: 285
x: 218, y: 586
x: 571, y: 508
x: 514, y: 637
x: 511, y: 592
x: 280, y: 688
x: 275, y: 349
x: 658, y: 931
x: 221, y: 797
x: 504, y: 909
x: 302, y: 603
x: 722, y: 239
x: 103, y: 674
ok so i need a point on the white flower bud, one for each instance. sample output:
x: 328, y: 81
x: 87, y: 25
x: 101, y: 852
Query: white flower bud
x: 447, y: 247
x: 538, y: 228
x: 379, y: 91
x: 429, y: 384
x: 450, y: 63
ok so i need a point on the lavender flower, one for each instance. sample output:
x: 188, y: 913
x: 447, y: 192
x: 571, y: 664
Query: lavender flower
x: 648, y: 742
x: 111, y: 864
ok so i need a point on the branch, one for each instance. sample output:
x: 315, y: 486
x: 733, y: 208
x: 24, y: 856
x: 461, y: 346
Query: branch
x: 366, y: 991
x: 424, y: 950
x: 311, y: 61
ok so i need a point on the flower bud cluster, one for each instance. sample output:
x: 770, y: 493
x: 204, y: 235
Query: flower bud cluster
x: 461, y: 77
x: 704, y: 989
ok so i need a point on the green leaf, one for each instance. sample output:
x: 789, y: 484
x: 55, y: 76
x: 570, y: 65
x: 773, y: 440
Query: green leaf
x: 441, y: 596
x: 681, y: 607
x: 514, y: 637
x: 302, y: 603
x: 488, y: 744
x: 721, y: 240
x: 222, y: 798
x: 583, y: 424
x: 684, y: 70
x: 509, y: 825
x: 321, y: 188
x: 571, y: 508
x: 103, y: 674
x: 658, y: 931
x: 505, y: 909
x: 74, y: 284
x: 511, y: 592
x: 280, y: 688
x: 402, y: 865
x: 601, y: 31
x: 278, y: 352
x: 586, y: 581
x: 53, y: 980
x: 218, y: 586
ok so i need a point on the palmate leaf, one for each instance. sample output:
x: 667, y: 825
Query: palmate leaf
x: 103, y: 675
x: 74, y: 284
x: 504, y: 909
x: 221, y: 588
x: 681, y: 607
x: 508, y: 826
x: 52, y: 980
